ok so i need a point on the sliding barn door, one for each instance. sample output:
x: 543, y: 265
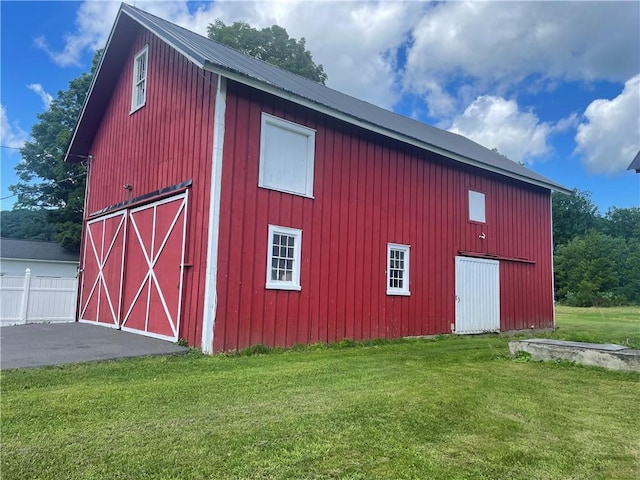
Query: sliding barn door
x: 477, y: 295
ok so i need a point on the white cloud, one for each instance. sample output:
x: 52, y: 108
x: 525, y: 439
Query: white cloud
x: 11, y: 135
x: 609, y: 138
x: 497, y: 46
x: 495, y: 122
x: 44, y: 96
x: 357, y: 42
x: 93, y: 24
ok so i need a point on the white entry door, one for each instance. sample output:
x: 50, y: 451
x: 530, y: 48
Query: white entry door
x: 477, y: 295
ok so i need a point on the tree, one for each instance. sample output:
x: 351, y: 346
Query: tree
x: 591, y: 271
x: 26, y: 225
x: 47, y: 182
x: 622, y: 223
x: 573, y: 215
x: 273, y: 45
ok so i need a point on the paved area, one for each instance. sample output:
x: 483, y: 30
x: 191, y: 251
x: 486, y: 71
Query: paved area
x: 38, y: 345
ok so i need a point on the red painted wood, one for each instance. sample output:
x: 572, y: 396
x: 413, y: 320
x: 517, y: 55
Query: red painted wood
x: 166, y: 142
x: 367, y: 191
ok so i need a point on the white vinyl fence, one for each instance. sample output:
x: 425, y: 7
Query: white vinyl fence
x: 37, y: 299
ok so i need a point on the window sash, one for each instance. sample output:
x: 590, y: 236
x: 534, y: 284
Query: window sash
x: 398, y: 269
x: 139, y: 83
x: 283, y: 258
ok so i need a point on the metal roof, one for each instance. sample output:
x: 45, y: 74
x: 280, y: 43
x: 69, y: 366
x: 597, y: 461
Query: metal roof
x: 12, y: 248
x: 635, y: 164
x: 211, y: 55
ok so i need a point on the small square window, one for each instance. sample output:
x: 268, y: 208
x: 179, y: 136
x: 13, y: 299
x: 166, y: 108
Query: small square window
x: 283, y: 260
x: 286, y: 156
x: 477, y: 207
x: 139, y: 86
x: 398, y: 269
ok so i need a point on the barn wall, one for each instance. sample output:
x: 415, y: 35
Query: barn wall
x: 368, y: 191
x: 166, y: 142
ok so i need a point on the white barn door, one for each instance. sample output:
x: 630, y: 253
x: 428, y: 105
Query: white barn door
x: 477, y: 295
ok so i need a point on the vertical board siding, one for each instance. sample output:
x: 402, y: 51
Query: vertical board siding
x: 368, y: 191
x: 166, y: 142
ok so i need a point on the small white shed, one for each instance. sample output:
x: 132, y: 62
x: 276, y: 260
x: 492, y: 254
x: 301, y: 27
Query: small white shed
x: 44, y: 259
x: 38, y: 282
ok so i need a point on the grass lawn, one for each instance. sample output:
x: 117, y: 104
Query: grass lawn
x: 445, y: 408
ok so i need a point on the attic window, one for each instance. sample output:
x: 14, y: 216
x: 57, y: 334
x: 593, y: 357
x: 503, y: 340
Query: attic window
x: 286, y: 156
x: 477, y: 207
x: 139, y: 87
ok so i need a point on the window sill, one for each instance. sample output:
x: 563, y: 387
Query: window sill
x: 134, y: 110
x: 298, y: 194
x: 283, y: 286
x: 400, y: 293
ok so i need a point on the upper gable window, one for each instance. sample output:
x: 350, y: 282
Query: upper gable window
x: 286, y: 156
x: 477, y: 207
x: 139, y: 88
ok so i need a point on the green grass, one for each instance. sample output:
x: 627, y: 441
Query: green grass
x: 619, y: 325
x: 445, y: 408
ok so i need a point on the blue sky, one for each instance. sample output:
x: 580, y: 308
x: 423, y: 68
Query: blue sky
x: 554, y: 85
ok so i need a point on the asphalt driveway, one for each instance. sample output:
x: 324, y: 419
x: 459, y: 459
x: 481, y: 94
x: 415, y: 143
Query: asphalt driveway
x: 37, y: 345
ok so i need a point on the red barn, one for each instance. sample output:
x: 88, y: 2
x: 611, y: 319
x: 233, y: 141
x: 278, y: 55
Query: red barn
x: 230, y: 203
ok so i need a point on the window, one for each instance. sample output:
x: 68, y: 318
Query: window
x: 283, y: 260
x: 397, y: 269
x: 139, y: 89
x: 476, y: 207
x: 286, y: 156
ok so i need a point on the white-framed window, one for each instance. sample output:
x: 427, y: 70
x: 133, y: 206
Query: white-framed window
x: 139, y: 84
x: 477, y: 207
x: 283, y: 258
x: 398, y: 269
x: 286, y: 156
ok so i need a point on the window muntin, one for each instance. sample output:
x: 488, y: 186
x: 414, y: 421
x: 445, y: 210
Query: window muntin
x: 477, y: 211
x: 398, y: 269
x: 286, y: 156
x: 283, y: 259
x: 139, y: 86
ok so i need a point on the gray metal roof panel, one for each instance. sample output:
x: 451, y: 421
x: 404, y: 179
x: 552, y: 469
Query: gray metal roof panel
x: 35, y: 250
x: 202, y: 51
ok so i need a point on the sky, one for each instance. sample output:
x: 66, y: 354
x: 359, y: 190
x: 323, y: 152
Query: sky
x: 554, y: 85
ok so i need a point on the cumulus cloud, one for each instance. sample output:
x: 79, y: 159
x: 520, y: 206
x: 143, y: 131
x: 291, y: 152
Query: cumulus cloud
x: 11, y: 135
x: 93, y: 24
x: 496, y: 46
x: 44, y: 96
x: 357, y: 42
x: 495, y: 122
x: 609, y: 136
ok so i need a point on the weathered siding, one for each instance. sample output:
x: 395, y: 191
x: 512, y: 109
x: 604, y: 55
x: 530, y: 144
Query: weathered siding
x: 368, y: 191
x: 166, y: 142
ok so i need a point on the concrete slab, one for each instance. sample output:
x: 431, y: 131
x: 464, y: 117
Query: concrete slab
x: 612, y: 347
x: 38, y: 345
x: 613, y: 357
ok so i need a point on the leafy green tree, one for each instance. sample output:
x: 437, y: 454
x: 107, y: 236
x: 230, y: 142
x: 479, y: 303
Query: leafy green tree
x: 26, y: 225
x: 591, y: 271
x: 573, y: 215
x: 622, y: 223
x: 273, y: 45
x: 46, y: 181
